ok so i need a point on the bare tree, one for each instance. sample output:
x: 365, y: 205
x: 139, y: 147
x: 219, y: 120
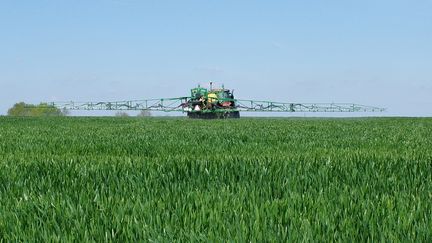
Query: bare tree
x: 121, y: 114
x: 144, y: 113
x: 65, y: 112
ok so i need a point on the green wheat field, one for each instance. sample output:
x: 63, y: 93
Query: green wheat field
x: 251, y: 179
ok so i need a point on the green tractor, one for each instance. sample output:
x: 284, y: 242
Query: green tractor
x: 212, y: 103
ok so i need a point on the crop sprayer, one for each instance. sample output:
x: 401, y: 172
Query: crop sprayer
x: 213, y: 103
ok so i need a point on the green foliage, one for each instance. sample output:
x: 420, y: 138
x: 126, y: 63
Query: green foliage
x: 258, y: 180
x: 43, y: 109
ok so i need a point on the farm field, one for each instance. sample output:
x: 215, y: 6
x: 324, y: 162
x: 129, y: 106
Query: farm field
x: 252, y: 179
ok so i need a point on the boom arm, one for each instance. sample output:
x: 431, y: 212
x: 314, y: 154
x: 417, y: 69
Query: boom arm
x: 181, y: 104
x: 169, y: 104
x: 260, y: 106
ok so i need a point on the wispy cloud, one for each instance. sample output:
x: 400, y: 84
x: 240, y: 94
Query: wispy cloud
x: 277, y: 45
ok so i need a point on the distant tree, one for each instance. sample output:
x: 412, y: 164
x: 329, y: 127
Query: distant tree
x: 121, y: 114
x: 144, y: 113
x: 43, y: 109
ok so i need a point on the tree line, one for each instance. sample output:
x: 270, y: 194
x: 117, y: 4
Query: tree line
x: 43, y: 109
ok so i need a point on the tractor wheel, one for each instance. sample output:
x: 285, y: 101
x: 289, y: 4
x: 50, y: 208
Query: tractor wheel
x: 214, y: 115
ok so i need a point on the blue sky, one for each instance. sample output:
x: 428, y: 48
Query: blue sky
x: 369, y: 52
